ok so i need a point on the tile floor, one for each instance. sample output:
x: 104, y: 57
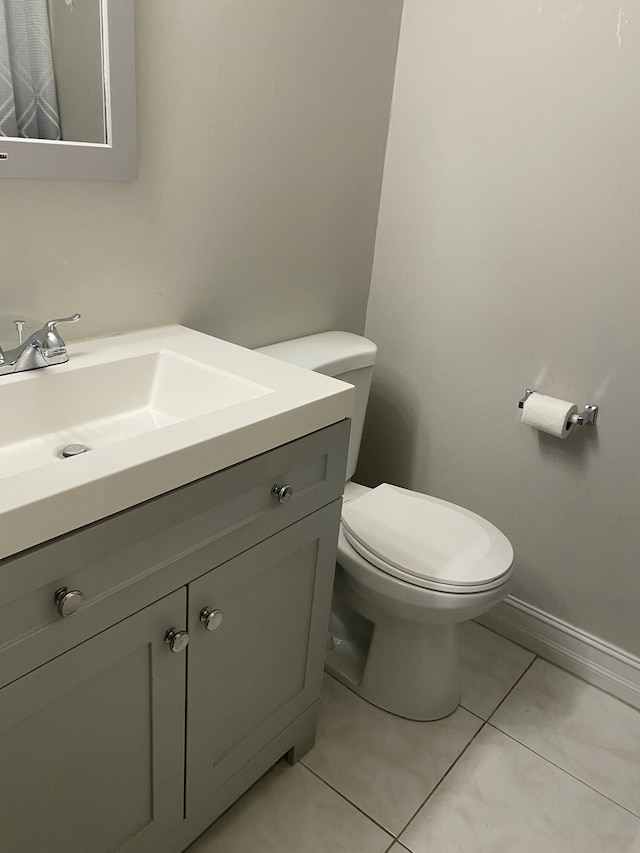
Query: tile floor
x: 534, y: 761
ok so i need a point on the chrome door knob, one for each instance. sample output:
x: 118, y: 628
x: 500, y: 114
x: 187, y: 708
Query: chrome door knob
x: 211, y: 619
x: 67, y: 601
x: 283, y: 493
x: 176, y: 640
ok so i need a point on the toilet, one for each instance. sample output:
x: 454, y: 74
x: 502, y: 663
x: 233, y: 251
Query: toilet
x: 410, y: 567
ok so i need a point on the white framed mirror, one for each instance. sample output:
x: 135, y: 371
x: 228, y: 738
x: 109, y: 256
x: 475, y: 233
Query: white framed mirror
x: 71, y: 113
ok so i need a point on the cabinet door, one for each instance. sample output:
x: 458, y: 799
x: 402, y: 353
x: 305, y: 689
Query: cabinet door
x: 261, y: 666
x: 91, y: 744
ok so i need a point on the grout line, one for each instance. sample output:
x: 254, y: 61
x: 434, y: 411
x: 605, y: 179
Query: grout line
x: 564, y: 666
x: 564, y: 770
x: 491, y: 713
x: 584, y: 680
x: 446, y: 773
x: 351, y: 803
x: 484, y: 723
x: 441, y: 779
x: 402, y: 847
x: 508, y: 639
x: 474, y: 713
x: 511, y: 689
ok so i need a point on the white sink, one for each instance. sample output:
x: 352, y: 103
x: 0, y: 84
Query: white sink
x: 156, y: 409
x: 99, y: 404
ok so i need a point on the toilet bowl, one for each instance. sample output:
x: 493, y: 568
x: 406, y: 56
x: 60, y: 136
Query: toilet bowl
x: 410, y: 567
x: 394, y: 632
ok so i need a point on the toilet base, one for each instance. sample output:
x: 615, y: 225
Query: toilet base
x: 409, y: 669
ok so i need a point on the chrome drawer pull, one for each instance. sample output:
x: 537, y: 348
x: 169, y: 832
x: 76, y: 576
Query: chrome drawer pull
x: 67, y: 601
x: 211, y: 619
x: 176, y: 640
x: 283, y: 493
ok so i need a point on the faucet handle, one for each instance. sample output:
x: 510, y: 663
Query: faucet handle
x: 51, y: 324
x: 54, y: 350
x: 52, y: 338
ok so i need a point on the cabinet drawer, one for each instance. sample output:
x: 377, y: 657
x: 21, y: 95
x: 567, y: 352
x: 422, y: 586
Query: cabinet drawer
x: 128, y: 560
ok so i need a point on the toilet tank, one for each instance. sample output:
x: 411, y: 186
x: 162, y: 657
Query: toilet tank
x: 345, y: 356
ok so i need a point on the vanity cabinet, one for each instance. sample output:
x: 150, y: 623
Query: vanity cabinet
x: 111, y: 743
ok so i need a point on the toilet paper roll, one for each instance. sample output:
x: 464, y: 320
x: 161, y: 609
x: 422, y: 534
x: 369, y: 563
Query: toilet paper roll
x: 549, y: 414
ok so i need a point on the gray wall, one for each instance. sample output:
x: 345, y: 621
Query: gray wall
x: 507, y: 256
x: 262, y: 126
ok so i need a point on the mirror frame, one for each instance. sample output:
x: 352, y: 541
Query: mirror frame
x: 116, y: 159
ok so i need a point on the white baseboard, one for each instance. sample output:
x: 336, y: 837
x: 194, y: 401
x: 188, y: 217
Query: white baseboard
x: 594, y: 660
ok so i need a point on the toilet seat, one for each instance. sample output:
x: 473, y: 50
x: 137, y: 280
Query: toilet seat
x: 427, y: 542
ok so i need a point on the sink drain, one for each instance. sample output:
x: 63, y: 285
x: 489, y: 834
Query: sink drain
x: 74, y: 450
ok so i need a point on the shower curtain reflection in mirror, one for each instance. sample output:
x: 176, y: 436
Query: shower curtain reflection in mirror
x: 28, y: 100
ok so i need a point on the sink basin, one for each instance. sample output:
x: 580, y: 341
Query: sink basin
x: 100, y: 404
x: 156, y: 409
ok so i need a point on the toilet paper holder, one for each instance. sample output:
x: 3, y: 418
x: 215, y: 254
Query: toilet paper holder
x: 588, y: 416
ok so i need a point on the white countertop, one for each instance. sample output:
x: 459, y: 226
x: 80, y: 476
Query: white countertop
x: 58, y: 495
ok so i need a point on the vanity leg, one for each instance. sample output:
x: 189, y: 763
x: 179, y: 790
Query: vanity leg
x: 301, y: 748
x: 306, y: 738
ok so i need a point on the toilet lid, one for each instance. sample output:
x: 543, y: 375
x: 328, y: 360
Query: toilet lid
x: 426, y: 541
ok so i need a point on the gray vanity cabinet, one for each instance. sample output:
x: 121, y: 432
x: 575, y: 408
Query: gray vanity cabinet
x: 91, y: 744
x: 111, y: 743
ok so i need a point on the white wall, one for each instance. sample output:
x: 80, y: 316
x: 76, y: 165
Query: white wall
x: 262, y: 126
x: 507, y: 256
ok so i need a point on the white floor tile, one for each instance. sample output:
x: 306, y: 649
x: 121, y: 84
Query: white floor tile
x: 291, y: 811
x: 578, y: 727
x: 502, y: 798
x: 490, y: 665
x: 384, y: 764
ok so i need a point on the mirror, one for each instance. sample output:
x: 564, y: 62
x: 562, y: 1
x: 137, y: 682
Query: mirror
x: 71, y: 112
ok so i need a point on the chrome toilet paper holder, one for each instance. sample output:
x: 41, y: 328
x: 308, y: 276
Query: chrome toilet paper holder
x: 588, y: 416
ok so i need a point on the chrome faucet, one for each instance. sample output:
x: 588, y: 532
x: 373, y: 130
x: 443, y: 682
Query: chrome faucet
x: 41, y: 349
